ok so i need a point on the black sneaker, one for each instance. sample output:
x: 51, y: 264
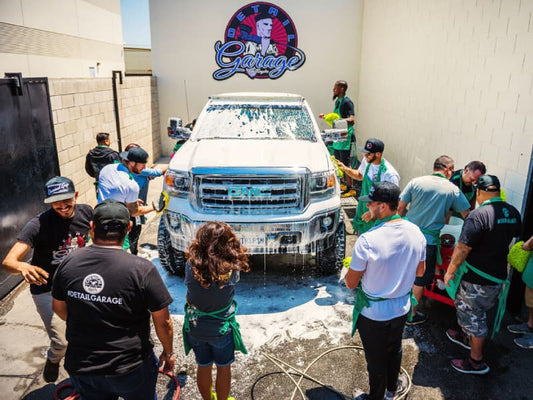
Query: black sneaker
x: 418, y: 318
x: 469, y: 366
x: 51, y: 371
x: 458, y: 337
x: 401, y: 389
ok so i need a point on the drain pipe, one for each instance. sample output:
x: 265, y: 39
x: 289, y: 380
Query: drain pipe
x: 115, y: 104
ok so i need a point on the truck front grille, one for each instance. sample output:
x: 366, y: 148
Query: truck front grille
x: 250, y: 194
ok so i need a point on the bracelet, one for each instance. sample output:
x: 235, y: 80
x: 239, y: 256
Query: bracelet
x: 168, y: 355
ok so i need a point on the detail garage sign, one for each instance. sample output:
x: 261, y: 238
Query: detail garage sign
x: 261, y: 42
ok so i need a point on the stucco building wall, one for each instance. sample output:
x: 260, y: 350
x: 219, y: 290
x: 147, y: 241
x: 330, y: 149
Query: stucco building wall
x: 183, y: 56
x: 450, y: 77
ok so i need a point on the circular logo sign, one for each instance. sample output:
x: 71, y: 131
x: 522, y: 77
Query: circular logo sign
x: 93, y: 284
x: 260, y: 41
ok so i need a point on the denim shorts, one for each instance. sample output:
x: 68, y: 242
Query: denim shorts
x: 220, y: 351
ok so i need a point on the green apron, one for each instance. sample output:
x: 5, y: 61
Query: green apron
x: 229, y: 321
x: 345, y: 144
x: 504, y: 289
x: 502, y: 298
x: 468, y: 196
x: 363, y: 299
x: 358, y: 224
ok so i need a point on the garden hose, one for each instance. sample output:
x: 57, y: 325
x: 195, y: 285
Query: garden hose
x: 303, y: 374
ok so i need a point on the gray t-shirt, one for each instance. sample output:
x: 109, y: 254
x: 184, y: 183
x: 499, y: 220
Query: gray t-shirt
x: 430, y: 197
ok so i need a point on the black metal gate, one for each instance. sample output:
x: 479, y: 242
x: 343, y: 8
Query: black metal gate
x: 28, y: 158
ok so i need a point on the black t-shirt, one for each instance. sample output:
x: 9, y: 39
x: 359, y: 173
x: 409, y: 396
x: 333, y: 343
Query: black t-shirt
x: 468, y: 190
x: 109, y: 295
x: 489, y: 230
x: 346, y: 107
x: 53, y: 237
x: 208, y: 300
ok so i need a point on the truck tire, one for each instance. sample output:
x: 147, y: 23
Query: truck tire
x: 171, y: 259
x: 329, y: 261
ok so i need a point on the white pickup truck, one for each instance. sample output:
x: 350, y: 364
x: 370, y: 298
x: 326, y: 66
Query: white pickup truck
x: 258, y: 162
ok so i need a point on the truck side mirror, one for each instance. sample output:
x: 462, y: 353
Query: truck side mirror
x: 176, y: 131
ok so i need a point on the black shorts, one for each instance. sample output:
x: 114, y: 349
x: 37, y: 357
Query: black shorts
x: 431, y: 262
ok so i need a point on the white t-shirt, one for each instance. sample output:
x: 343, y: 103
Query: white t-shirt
x: 390, y: 175
x: 116, y: 182
x: 389, y: 253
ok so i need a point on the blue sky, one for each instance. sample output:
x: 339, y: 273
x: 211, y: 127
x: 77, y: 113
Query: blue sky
x: 135, y: 23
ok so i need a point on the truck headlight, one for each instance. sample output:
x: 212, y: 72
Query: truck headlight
x: 322, y: 183
x: 177, y: 183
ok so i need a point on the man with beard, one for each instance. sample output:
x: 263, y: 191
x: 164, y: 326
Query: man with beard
x: 52, y: 235
x: 342, y: 150
x: 466, y: 179
x: 384, y: 263
x: 117, y: 182
x: 373, y: 168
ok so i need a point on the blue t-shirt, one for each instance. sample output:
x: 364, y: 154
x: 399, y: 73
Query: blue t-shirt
x: 430, y: 198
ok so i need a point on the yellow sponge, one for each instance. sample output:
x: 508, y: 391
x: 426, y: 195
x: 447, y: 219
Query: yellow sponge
x: 329, y: 118
x: 518, y: 257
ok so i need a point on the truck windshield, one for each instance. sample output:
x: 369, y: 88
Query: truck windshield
x: 256, y: 121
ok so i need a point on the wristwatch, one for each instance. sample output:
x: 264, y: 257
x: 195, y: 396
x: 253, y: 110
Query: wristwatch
x: 168, y: 355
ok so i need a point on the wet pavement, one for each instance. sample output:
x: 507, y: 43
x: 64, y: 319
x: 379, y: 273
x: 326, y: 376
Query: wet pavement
x: 292, y: 319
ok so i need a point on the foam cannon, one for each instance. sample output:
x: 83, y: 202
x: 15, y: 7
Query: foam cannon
x: 175, y: 129
x: 338, y: 133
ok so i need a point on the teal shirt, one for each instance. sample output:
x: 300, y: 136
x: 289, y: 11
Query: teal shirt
x: 430, y: 198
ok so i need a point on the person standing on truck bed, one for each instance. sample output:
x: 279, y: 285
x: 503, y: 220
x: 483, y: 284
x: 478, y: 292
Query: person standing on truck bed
x: 344, y: 107
x: 373, y: 168
x: 429, y: 198
x: 52, y: 235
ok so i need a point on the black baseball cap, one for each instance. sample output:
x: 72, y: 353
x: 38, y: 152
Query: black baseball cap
x: 386, y: 192
x: 135, y: 154
x: 59, y: 188
x: 373, y: 146
x: 111, y: 215
x: 488, y: 183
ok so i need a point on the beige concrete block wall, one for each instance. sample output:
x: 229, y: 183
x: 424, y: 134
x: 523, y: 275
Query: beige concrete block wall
x: 83, y: 107
x: 450, y: 77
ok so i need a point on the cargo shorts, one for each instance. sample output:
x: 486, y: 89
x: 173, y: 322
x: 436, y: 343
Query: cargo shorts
x: 472, y: 302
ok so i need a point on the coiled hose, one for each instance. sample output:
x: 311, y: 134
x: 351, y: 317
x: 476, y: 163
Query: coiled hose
x: 290, y: 371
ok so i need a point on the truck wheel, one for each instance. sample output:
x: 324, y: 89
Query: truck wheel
x: 171, y: 259
x: 329, y: 261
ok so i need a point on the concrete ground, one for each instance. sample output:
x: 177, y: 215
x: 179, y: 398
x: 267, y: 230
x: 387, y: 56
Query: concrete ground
x: 426, y: 350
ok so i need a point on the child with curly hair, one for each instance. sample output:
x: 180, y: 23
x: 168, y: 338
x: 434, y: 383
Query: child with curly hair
x: 215, y: 260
